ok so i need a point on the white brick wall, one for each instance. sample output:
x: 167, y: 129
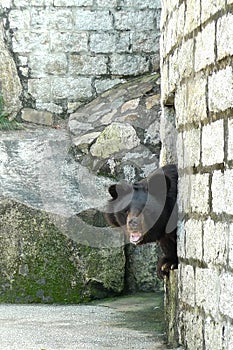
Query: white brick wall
x: 213, y: 143
x: 196, y: 66
x: 113, y: 42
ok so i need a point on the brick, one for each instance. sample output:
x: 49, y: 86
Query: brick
x: 187, y: 291
x: 20, y: 19
x: 26, y: 41
x: 231, y: 246
x: 140, y: 20
x: 93, y: 20
x: 222, y: 192
x: 192, y: 15
x: 40, y: 89
x: 106, y: 3
x: 181, y: 104
x: 142, y: 4
x: 209, y: 8
x: 192, y: 330
x: 129, y: 64
x: 110, y: 42
x: 224, y: 36
x: 87, y: 65
x: 221, y: 90
x: 185, y: 58
x: 193, y: 229
x: 196, y: 99
x: 73, y: 2
x: 213, y: 152
x: 214, y: 241
x: 199, y: 193
x: 230, y: 140
x: 213, y: 334
x: 145, y: 42
x: 42, y: 64
x: 205, y: 47
x: 191, y: 144
x: 226, y: 300
x: 181, y: 240
x: 71, y: 88
x: 38, y: 117
x: 68, y: 41
x: 207, y: 290
x: 184, y: 188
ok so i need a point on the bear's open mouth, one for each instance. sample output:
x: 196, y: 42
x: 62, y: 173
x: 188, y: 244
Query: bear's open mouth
x: 135, y: 237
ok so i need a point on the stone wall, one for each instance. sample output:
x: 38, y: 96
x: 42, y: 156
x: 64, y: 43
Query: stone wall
x: 197, y: 93
x: 69, y: 51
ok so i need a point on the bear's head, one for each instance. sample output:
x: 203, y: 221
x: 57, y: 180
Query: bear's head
x: 142, y: 209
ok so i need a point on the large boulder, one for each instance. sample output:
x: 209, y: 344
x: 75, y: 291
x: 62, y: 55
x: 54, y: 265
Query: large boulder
x: 10, y: 86
x: 49, y: 252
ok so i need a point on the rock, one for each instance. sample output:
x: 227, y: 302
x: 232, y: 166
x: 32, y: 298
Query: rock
x: 49, y: 259
x: 115, y: 138
x: 10, y: 86
x: 37, y: 117
x: 84, y: 142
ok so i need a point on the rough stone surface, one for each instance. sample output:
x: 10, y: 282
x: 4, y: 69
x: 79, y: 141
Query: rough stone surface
x: 65, y: 52
x: 37, y: 117
x: 127, y: 118
x: 10, y: 86
x: 196, y: 79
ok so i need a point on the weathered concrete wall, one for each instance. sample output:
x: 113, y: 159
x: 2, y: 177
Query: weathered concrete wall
x: 69, y: 51
x: 196, y: 64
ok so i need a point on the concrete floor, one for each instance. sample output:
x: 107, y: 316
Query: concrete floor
x: 131, y: 322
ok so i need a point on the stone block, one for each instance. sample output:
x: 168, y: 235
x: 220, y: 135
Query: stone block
x: 199, y: 193
x: 226, y: 300
x: 102, y: 85
x: 37, y: 117
x: 181, y: 237
x: 71, y: 88
x: 20, y: 19
x: 215, y: 240
x: 193, y: 234
x: 191, y: 145
x: 40, y: 89
x: 209, y: 8
x: 93, y: 20
x: 221, y: 90
x: 191, y: 326
x: 185, y: 58
x: 107, y: 3
x: 102, y: 42
x: 181, y: 105
x: 184, y: 194
x: 224, y: 36
x: 68, y: 41
x: 231, y: 246
x: 187, y: 279
x: 140, y: 20
x: 192, y: 16
x: 222, y: 192
x: 42, y: 65
x: 196, y: 109
x: 230, y: 140
x: 73, y: 3
x: 205, y: 47
x: 87, y: 65
x: 25, y: 42
x: 207, y: 290
x: 115, y: 138
x: 213, y: 334
x: 140, y: 4
x: 127, y: 64
x: 145, y: 42
x: 213, y: 152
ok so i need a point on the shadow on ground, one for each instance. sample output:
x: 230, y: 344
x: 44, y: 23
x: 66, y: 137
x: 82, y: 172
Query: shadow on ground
x: 130, y: 322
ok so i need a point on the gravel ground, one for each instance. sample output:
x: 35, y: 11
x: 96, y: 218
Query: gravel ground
x: 132, y: 322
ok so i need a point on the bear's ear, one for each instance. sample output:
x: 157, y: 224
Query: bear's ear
x: 159, y: 184
x: 120, y: 189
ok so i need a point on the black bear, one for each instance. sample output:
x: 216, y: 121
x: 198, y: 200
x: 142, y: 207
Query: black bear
x: 147, y: 211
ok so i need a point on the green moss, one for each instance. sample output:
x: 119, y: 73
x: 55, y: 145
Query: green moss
x: 5, y: 123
